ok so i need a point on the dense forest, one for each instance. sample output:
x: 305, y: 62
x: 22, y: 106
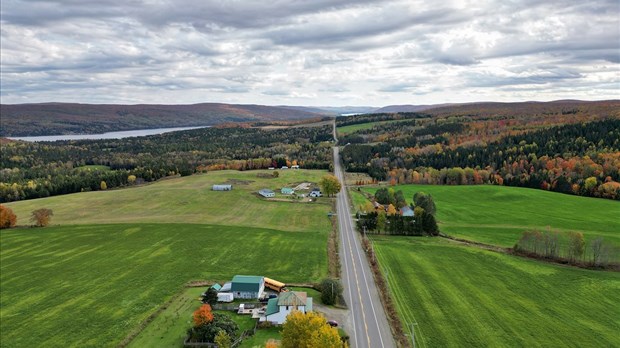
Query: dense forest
x: 566, y: 150
x: 32, y: 170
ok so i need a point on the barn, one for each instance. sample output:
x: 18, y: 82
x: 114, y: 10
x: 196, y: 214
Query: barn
x: 267, y: 193
x: 247, y: 286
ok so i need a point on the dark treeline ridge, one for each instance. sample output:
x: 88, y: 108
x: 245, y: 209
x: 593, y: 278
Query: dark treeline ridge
x: 578, y: 158
x: 73, y: 118
x: 366, y: 118
x: 33, y: 170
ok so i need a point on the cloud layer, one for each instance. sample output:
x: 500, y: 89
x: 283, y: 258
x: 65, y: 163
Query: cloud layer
x: 308, y: 52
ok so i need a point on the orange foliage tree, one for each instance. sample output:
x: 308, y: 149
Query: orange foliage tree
x: 203, y: 315
x: 7, y: 217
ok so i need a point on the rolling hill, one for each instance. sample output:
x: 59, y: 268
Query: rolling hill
x: 70, y: 118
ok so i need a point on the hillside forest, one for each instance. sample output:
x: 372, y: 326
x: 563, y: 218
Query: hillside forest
x: 572, y: 149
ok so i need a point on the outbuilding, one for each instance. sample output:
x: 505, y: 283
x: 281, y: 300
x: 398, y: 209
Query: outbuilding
x: 223, y: 187
x: 316, y: 193
x: 247, y: 286
x: 287, y: 191
x: 267, y: 193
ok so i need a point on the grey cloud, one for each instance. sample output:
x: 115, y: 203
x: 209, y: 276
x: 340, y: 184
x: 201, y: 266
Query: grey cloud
x: 368, y: 51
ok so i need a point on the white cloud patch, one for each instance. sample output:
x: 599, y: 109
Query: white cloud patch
x: 308, y: 52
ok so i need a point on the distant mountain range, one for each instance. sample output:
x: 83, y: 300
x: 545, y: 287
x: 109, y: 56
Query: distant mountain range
x: 70, y: 118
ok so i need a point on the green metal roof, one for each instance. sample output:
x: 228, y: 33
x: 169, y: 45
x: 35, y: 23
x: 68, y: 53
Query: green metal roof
x: 246, y: 283
x: 216, y: 286
x: 272, y: 306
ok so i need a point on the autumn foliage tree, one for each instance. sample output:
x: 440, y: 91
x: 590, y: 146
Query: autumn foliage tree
x: 330, y: 185
x: 7, y: 217
x: 41, y: 217
x: 308, y: 331
x: 203, y: 315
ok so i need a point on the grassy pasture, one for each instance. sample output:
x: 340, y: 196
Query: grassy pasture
x: 93, y: 167
x: 467, y: 297
x: 344, y: 130
x: 190, y: 200
x: 498, y: 214
x: 90, y: 285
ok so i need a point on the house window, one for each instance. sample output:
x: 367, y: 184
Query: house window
x: 287, y: 308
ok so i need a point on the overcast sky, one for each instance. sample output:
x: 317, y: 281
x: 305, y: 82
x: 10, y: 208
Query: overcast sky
x: 308, y: 52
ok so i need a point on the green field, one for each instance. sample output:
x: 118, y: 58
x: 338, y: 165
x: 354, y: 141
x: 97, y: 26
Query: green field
x: 344, y: 130
x: 463, y: 296
x: 114, y: 257
x: 93, y: 167
x: 190, y: 200
x: 169, y: 328
x: 498, y: 214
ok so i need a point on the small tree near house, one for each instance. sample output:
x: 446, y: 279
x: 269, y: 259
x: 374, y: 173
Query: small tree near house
x: 210, y: 297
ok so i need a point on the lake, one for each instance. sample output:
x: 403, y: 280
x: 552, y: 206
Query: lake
x: 109, y: 135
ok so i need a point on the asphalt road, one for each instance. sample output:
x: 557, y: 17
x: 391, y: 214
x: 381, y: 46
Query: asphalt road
x: 368, y: 324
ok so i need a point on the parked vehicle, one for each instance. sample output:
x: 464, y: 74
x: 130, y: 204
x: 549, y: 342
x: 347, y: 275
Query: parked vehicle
x: 332, y: 323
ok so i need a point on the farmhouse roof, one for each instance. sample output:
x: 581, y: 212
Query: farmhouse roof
x: 246, y: 283
x: 293, y: 298
x: 272, y: 306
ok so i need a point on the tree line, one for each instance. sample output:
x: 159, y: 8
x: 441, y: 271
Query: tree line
x: 570, y: 247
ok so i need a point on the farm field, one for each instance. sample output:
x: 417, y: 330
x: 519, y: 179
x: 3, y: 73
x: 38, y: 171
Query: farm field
x: 169, y: 327
x: 111, y: 258
x: 498, y: 214
x: 344, y: 130
x: 90, y: 285
x: 465, y: 296
x: 191, y: 200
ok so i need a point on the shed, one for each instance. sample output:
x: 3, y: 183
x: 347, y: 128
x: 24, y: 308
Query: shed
x: 287, y: 191
x: 216, y: 287
x: 247, y: 286
x: 222, y: 187
x: 267, y: 193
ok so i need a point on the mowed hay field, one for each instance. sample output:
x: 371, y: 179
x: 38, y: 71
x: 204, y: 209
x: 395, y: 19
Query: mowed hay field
x: 191, y: 200
x: 463, y: 296
x: 498, y: 215
x: 113, y: 258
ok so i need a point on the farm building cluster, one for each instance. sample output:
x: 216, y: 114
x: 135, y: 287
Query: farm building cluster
x: 275, y: 301
x: 290, y: 191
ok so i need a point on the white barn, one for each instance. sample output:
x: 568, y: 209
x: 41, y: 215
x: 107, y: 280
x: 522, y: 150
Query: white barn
x: 267, y: 193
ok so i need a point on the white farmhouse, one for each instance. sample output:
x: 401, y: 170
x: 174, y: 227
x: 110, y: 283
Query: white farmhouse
x: 278, y: 308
